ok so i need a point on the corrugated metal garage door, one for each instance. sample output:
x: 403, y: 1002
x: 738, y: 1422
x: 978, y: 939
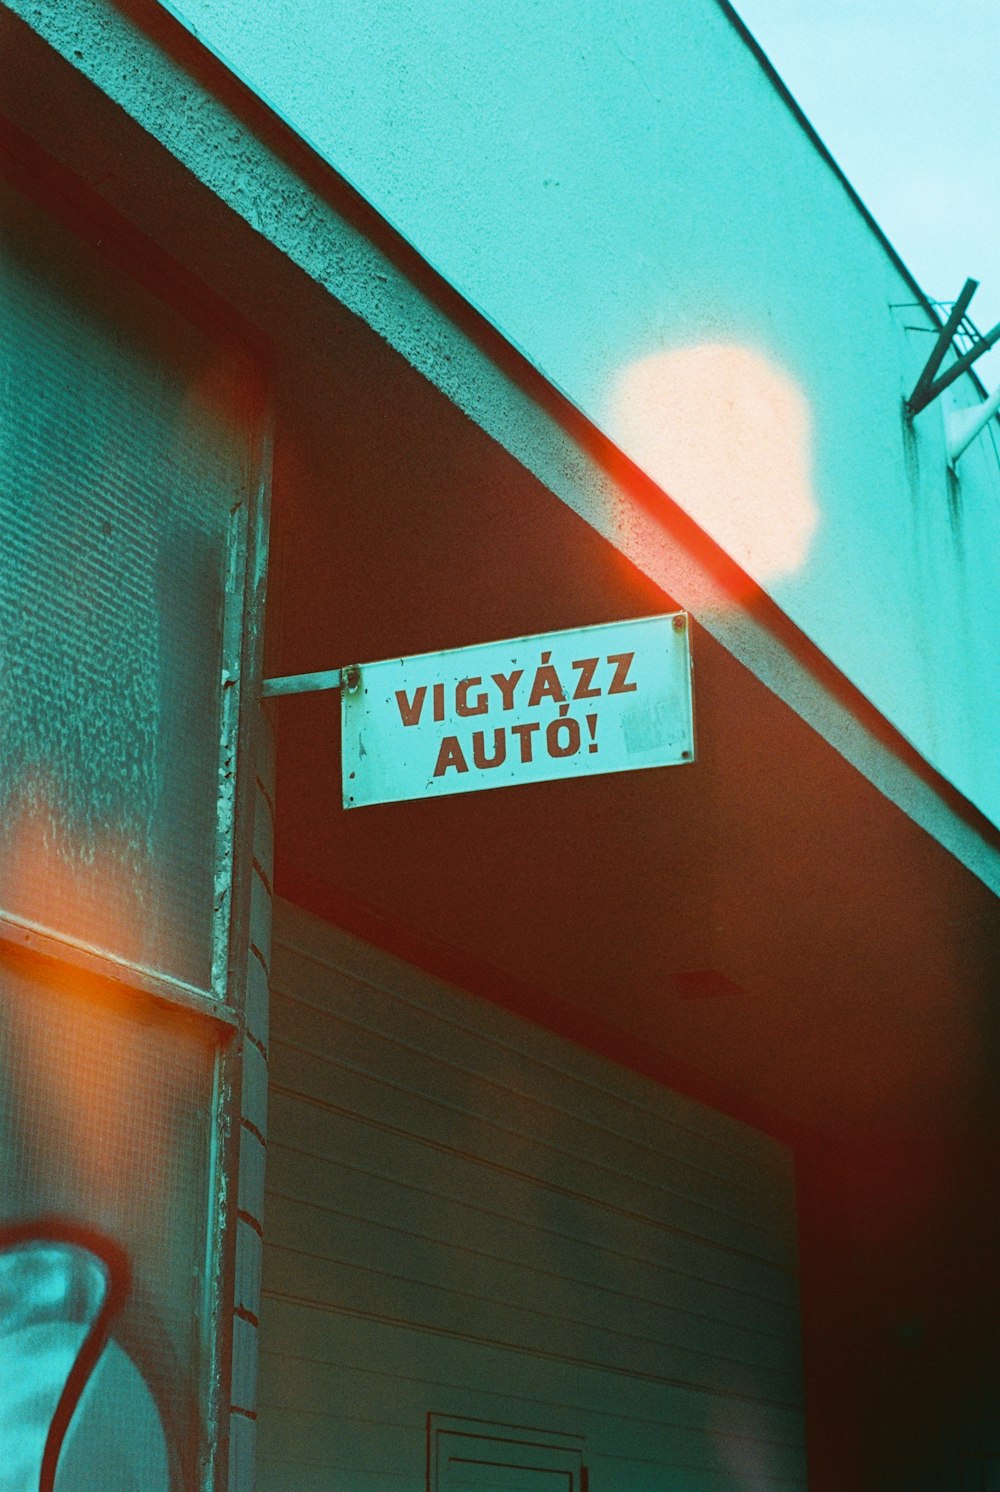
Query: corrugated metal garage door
x: 479, y: 1237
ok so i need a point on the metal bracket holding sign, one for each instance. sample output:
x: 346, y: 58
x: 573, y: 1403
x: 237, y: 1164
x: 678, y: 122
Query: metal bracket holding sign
x: 581, y: 703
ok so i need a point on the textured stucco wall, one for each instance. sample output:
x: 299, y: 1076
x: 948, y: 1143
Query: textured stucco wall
x: 149, y: 81
x: 622, y: 189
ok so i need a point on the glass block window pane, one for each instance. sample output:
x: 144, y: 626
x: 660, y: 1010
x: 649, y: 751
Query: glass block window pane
x: 105, y: 1122
x: 123, y: 456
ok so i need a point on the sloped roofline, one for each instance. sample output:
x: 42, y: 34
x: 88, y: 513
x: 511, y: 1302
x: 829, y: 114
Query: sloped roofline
x: 812, y: 134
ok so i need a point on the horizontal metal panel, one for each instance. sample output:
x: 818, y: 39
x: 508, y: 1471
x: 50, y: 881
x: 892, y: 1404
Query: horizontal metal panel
x: 347, y: 1449
x: 457, y: 1307
x: 467, y: 1215
x: 371, y: 1361
x: 554, y: 1282
x: 635, y: 1442
x: 742, y: 1287
x: 364, y: 1008
x: 340, y: 1394
x: 494, y: 1132
x: 501, y: 1216
x: 399, y: 999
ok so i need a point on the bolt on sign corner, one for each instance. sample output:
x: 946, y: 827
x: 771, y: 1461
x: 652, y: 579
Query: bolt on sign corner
x: 611, y: 698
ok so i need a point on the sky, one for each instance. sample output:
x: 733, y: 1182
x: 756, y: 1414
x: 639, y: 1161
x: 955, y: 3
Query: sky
x: 903, y: 95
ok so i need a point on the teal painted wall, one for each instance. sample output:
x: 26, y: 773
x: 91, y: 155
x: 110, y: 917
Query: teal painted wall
x: 624, y: 191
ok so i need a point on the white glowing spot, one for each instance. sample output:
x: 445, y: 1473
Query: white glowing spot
x: 728, y: 437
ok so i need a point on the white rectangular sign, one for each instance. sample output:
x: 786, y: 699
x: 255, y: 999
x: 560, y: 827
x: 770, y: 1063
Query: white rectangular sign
x: 610, y: 698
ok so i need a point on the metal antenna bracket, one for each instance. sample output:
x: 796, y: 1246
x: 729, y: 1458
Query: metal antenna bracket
x: 928, y: 386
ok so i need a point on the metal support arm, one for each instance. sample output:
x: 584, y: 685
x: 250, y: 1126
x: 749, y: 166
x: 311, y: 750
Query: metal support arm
x: 928, y: 386
x: 302, y: 683
x: 964, y: 425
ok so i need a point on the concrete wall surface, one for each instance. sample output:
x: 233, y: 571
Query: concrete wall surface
x: 626, y: 192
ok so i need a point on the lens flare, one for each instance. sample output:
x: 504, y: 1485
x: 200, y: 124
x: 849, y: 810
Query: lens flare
x: 728, y: 437
x: 84, y: 1093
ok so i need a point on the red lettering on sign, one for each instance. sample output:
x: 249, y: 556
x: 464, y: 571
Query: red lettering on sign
x: 462, y: 705
x: 499, y: 748
x: 624, y: 663
x: 546, y: 685
x: 562, y: 736
x: 409, y: 712
x: 524, y: 733
x: 587, y: 667
x: 450, y: 755
x: 438, y: 701
x: 507, y: 683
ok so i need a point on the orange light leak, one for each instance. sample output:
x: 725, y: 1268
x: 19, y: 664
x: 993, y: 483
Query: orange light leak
x: 728, y: 437
x: 89, y: 886
x: 87, y: 1098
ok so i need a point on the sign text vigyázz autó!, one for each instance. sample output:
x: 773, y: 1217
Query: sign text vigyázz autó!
x: 593, y: 700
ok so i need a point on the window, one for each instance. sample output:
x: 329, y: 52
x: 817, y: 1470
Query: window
x: 127, y: 471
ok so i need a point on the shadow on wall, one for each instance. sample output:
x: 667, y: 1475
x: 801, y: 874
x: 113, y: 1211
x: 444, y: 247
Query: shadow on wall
x: 729, y: 437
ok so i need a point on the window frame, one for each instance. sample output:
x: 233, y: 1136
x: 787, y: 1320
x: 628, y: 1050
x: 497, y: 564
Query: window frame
x: 219, y: 1007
